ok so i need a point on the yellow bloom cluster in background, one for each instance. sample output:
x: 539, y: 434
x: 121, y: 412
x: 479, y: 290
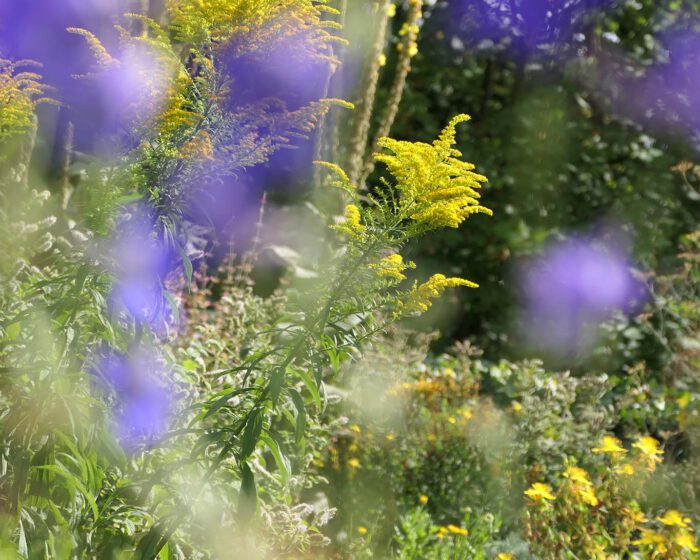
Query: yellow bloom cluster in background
x: 603, y: 519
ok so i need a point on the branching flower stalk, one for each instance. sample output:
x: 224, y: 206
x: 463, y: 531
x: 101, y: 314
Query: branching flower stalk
x: 408, y: 48
x: 362, y: 121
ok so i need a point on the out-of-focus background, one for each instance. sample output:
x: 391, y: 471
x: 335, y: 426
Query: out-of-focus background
x: 167, y: 245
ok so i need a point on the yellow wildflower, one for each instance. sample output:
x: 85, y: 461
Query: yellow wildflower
x: 423, y: 499
x: 581, y: 485
x: 419, y: 299
x: 354, y: 463
x: 352, y: 226
x: 685, y: 540
x: 392, y: 266
x: 610, y: 445
x: 637, y: 517
x: 452, y: 420
x: 412, y: 50
x: 674, y: 518
x: 586, y: 494
x: 391, y: 10
x: 465, y: 413
x: 390, y: 437
x: 356, y: 428
x: 438, y: 189
x: 625, y: 469
x: 577, y: 475
x: 362, y: 530
x: 504, y: 556
x: 652, y: 538
x: 382, y: 59
x: 442, y: 531
x: 650, y: 451
x: 457, y: 530
x: 539, y: 492
x: 516, y: 406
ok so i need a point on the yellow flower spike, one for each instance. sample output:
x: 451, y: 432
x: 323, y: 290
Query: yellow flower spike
x: 611, y: 446
x: 419, y: 299
x: 352, y: 226
x: 650, y: 451
x: 674, y: 518
x: 438, y: 189
x: 423, y: 499
x: 539, y: 492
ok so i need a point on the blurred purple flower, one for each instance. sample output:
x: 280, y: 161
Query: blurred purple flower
x: 526, y: 24
x: 577, y: 284
x: 671, y: 93
x: 141, y: 261
x: 143, y: 399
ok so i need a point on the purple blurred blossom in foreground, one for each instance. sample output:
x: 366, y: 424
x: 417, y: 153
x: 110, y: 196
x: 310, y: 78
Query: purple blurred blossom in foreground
x: 143, y: 398
x: 669, y: 93
x: 140, y: 263
x: 526, y: 24
x: 577, y: 284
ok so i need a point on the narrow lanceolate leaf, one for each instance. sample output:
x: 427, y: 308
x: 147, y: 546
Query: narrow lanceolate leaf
x: 300, y: 425
x: 248, y: 499
x: 281, y: 459
x: 251, y: 433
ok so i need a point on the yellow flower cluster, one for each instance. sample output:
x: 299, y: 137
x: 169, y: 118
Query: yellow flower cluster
x: 581, y: 486
x: 437, y: 189
x: 673, y: 539
x: 199, y: 148
x: 648, y: 455
x: 392, y: 266
x: 352, y: 224
x: 20, y: 92
x: 420, y: 298
x: 254, y: 26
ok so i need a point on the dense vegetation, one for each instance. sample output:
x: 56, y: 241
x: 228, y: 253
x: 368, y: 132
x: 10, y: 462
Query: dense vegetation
x: 237, y: 237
